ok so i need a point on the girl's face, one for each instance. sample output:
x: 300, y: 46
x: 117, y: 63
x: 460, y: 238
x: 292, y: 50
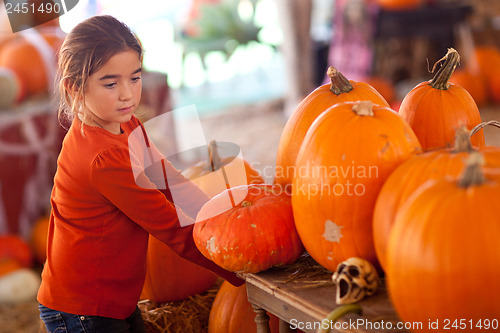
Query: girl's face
x: 114, y: 91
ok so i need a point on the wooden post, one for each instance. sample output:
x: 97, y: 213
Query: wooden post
x: 261, y: 319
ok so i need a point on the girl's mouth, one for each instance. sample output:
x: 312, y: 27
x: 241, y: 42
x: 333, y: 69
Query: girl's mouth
x: 125, y: 110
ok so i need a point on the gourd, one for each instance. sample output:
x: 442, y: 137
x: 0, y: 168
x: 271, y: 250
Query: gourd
x: 413, y: 173
x: 11, y: 88
x: 340, y: 89
x: 20, y: 285
x: 436, y: 109
x: 170, y: 277
x: 248, y: 228
x: 442, y: 256
x: 208, y: 174
x: 231, y: 312
x: 347, y: 154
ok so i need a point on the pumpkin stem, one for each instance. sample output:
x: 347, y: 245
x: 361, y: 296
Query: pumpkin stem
x: 246, y: 203
x: 480, y: 126
x: 216, y: 164
x: 443, y: 75
x: 363, y: 108
x: 338, y: 313
x: 472, y: 175
x: 462, y: 141
x: 213, y: 155
x: 340, y: 84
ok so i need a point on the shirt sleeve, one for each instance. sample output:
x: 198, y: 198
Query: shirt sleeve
x: 138, y: 198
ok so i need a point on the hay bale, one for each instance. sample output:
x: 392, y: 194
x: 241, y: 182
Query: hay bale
x: 186, y: 316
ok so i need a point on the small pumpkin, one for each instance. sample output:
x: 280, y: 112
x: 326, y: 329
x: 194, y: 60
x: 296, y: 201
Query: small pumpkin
x: 208, y: 174
x: 248, y: 228
x: 399, y: 4
x: 231, y: 312
x: 487, y: 59
x: 38, y: 239
x: 347, y: 154
x: 14, y: 247
x: 8, y: 265
x: 412, y: 174
x: 443, y: 252
x: 383, y: 86
x: 170, y: 277
x: 435, y: 109
x: 340, y: 89
x: 474, y: 82
x: 32, y: 65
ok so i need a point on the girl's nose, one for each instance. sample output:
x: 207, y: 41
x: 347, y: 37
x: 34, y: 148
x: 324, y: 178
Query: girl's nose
x: 126, y: 92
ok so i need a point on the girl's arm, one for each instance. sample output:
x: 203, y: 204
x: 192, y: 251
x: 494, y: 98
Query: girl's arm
x: 139, y: 199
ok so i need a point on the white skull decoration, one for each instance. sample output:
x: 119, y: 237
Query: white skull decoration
x: 355, y: 278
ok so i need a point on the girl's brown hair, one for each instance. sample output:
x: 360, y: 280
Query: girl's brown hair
x: 84, y: 51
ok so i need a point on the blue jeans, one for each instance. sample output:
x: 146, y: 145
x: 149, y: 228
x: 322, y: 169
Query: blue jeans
x: 62, y: 322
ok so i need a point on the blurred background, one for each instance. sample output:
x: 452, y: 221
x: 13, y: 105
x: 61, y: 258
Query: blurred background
x: 243, y: 64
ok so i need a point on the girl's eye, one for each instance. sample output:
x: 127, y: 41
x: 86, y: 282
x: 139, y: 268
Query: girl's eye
x: 136, y: 79
x: 110, y: 85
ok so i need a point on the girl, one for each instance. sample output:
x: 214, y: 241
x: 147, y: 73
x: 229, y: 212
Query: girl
x: 102, y: 211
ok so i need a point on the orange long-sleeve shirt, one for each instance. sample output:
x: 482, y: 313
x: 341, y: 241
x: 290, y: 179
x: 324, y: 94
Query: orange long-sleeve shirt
x: 99, y: 226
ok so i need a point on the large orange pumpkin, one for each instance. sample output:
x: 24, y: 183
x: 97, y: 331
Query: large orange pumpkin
x: 23, y: 57
x: 209, y: 174
x: 339, y: 90
x: 415, y: 172
x: 231, y: 312
x: 172, y: 278
x: 443, y: 255
x: 248, y: 228
x: 347, y: 154
x: 436, y: 109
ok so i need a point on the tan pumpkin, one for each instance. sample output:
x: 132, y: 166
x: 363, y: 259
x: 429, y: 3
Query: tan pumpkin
x: 211, y: 174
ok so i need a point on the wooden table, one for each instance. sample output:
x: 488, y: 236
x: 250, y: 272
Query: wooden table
x: 305, y: 306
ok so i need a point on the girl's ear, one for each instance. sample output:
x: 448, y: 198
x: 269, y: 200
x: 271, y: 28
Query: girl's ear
x: 69, y: 86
